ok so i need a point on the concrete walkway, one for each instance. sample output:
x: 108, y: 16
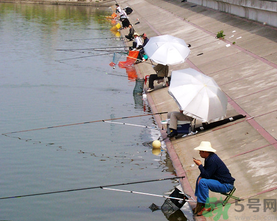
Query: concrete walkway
x: 244, y: 65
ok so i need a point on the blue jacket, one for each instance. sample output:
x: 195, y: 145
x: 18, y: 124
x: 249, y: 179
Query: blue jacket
x: 215, y: 168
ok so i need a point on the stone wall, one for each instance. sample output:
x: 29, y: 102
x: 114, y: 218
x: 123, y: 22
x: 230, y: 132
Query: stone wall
x: 260, y: 11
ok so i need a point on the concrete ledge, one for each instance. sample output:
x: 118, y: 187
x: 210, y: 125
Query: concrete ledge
x: 260, y: 11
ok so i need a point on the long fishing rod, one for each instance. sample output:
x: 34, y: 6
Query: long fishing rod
x: 119, y: 75
x: 128, y: 124
x: 120, y: 38
x: 87, y: 122
x: 150, y: 194
x: 136, y: 59
x: 84, y: 49
x: 141, y: 193
x: 97, y: 28
x: 111, y: 50
x: 87, y: 56
x: 89, y: 188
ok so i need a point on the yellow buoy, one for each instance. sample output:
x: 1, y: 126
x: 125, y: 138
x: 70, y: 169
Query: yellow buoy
x: 156, y: 144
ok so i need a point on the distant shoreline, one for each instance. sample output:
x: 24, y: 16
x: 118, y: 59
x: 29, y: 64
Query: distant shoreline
x: 96, y: 3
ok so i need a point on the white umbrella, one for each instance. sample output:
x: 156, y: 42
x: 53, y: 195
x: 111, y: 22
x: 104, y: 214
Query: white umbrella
x: 198, y: 95
x: 167, y: 50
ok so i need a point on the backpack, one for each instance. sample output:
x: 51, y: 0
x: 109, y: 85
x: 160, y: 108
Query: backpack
x: 128, y: 10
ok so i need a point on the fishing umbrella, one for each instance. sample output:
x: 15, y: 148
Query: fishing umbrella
x: 198, y: 95
x: 167, y: 50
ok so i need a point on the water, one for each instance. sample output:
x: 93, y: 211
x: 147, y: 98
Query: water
x: 50, y: 76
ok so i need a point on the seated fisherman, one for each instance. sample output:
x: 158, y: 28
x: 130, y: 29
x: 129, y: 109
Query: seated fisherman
x: 137, y: 44
x: 141, y: 51
x: 130, y: 36
x: 214, y: 176
x: 174, y: 117
x: 161, y: 72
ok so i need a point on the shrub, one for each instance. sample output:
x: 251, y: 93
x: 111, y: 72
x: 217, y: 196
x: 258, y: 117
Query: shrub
x: 220, y: 34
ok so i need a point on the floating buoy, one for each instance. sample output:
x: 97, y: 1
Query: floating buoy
x: 156, y: 144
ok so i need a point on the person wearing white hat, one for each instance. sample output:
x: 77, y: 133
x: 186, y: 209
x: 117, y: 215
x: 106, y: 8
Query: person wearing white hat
x: 137, y: 44
x: 214, y: 176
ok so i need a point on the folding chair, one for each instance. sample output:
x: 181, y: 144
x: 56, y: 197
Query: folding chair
x: 229, y: 195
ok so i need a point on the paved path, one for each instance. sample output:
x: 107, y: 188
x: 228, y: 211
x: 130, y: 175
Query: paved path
x: 244, y: 65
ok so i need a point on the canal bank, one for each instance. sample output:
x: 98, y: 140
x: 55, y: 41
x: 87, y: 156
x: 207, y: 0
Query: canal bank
x: 244, y: 64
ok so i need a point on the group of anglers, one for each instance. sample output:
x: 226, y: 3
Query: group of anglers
x: 214, y: 174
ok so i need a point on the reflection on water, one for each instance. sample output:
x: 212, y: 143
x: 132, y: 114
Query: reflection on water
x: 44, y: 86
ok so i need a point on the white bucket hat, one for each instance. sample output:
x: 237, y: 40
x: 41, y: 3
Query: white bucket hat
x: 205, y: 146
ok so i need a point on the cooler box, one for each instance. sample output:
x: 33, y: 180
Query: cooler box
x: 183, y: 127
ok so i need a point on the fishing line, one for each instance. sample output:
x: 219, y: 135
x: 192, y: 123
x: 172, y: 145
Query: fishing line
x: 88, y: 188
x: 87, y: 122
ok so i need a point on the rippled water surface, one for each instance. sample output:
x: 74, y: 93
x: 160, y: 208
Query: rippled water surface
x: 55, y: 71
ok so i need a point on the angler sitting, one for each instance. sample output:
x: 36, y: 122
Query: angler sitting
x: 174, y: 117
x: 137, y: 44
x: 214, y: 176
x: 161, y: 72
x: 141, y: 51
x: 130, y: 36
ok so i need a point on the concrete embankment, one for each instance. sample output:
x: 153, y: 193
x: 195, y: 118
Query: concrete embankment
x: 244, y: 64
x: 256, y: 10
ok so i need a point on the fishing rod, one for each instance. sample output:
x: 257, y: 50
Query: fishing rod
x: 97, y: 28
x: 151, y: 194
x: 119, y: 75
x: 128, y: 124
x: 89, y: 188
x: 87, y: 56
x: 85, y: 49
x: 135, y: 60
x: 87, y: 122
x: 120, y: 38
